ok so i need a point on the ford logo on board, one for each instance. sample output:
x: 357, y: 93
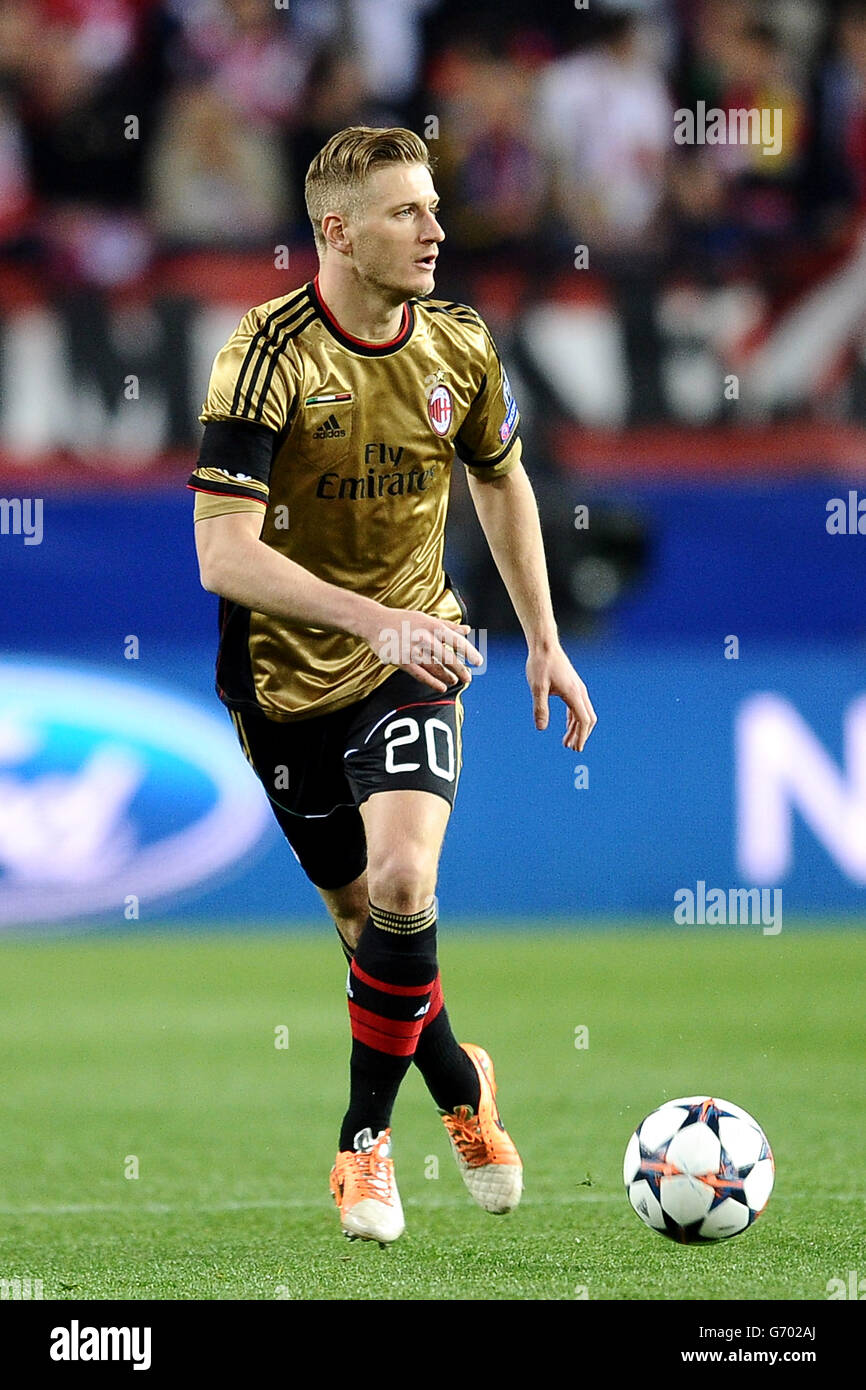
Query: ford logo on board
x: 111, y: 789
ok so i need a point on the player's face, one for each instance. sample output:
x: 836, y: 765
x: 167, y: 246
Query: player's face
x: 395, y: 240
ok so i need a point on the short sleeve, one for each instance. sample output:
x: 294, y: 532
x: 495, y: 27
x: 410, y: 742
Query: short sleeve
x: 233, y: 471
x: 488, y: 441
x: 252, y: 377
x: 251, y: 398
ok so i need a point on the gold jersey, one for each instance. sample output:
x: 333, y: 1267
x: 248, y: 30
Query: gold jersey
x: 347, y: 448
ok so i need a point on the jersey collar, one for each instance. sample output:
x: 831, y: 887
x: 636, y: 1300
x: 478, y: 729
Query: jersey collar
x: 358, y: 344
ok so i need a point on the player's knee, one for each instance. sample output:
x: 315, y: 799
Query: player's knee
x: 402, y: 881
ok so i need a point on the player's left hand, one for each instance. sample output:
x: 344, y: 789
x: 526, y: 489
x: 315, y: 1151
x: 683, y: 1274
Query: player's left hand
x: 551, y: 673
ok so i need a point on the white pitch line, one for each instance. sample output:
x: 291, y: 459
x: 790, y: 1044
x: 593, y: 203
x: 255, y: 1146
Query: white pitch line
x: 314, y: 1204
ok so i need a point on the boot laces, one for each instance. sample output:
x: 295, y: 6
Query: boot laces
x: 373, y: 1175
x: 465, y: 1130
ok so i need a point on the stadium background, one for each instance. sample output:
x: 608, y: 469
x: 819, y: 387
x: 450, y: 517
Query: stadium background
x: 684, y: 328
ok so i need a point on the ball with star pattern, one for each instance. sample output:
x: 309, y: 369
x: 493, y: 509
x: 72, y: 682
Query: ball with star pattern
x: 698, y: 1170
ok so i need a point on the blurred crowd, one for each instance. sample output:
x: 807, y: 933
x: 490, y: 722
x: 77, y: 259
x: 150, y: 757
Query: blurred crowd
x: 131, y: 129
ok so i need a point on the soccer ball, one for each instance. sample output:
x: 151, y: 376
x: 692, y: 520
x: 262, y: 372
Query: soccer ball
x: 698, y: 1170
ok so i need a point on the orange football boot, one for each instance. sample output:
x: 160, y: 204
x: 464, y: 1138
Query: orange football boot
x: 484, y: 1151
x: 365, y: 1190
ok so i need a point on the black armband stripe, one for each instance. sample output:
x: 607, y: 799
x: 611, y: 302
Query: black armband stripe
x: 466, y: 457
x: 227, y: 489
x: 238, y: 446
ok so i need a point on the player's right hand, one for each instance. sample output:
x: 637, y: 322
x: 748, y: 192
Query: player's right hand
x: 435, y: 651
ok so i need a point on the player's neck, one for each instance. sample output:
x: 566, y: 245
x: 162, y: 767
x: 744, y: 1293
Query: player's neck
x: 360, y: 310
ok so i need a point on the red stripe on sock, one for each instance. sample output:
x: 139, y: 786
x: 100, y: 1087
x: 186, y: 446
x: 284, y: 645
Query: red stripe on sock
x: 393, y: 1027
x: 395, y: 1047
x: 406, y: 990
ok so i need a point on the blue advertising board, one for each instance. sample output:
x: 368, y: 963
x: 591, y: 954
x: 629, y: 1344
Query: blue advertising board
x: 124, y: 797
x: 730, y: 750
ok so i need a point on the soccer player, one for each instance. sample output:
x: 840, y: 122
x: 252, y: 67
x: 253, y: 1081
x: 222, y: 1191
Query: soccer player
x: 332, y: 420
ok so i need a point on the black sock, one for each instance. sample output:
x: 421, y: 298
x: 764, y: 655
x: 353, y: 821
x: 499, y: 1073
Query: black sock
x: 448, y: 1073
x: 390, y: 981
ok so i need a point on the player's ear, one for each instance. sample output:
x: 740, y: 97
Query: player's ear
x: 334, y: 232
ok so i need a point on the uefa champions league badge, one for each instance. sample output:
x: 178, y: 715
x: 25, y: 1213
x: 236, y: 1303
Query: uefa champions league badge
x: 440, y: 409
x: 507, y: 426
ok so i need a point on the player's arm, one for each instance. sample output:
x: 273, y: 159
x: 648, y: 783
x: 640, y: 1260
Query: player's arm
x: 508, y: 513
x: 235, y: 563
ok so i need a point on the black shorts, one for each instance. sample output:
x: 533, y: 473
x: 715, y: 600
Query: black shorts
x: 404, y: 736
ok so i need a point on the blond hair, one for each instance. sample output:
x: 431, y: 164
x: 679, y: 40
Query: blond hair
x: 336, y: 177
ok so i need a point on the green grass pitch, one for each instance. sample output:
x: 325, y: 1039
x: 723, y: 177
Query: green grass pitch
x: 157, y: 1054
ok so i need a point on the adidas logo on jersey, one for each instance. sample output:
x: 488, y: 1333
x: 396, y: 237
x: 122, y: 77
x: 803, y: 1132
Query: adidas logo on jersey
x: 330, y: 429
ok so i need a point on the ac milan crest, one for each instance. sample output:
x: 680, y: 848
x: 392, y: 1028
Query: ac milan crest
x: 440, y: 409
